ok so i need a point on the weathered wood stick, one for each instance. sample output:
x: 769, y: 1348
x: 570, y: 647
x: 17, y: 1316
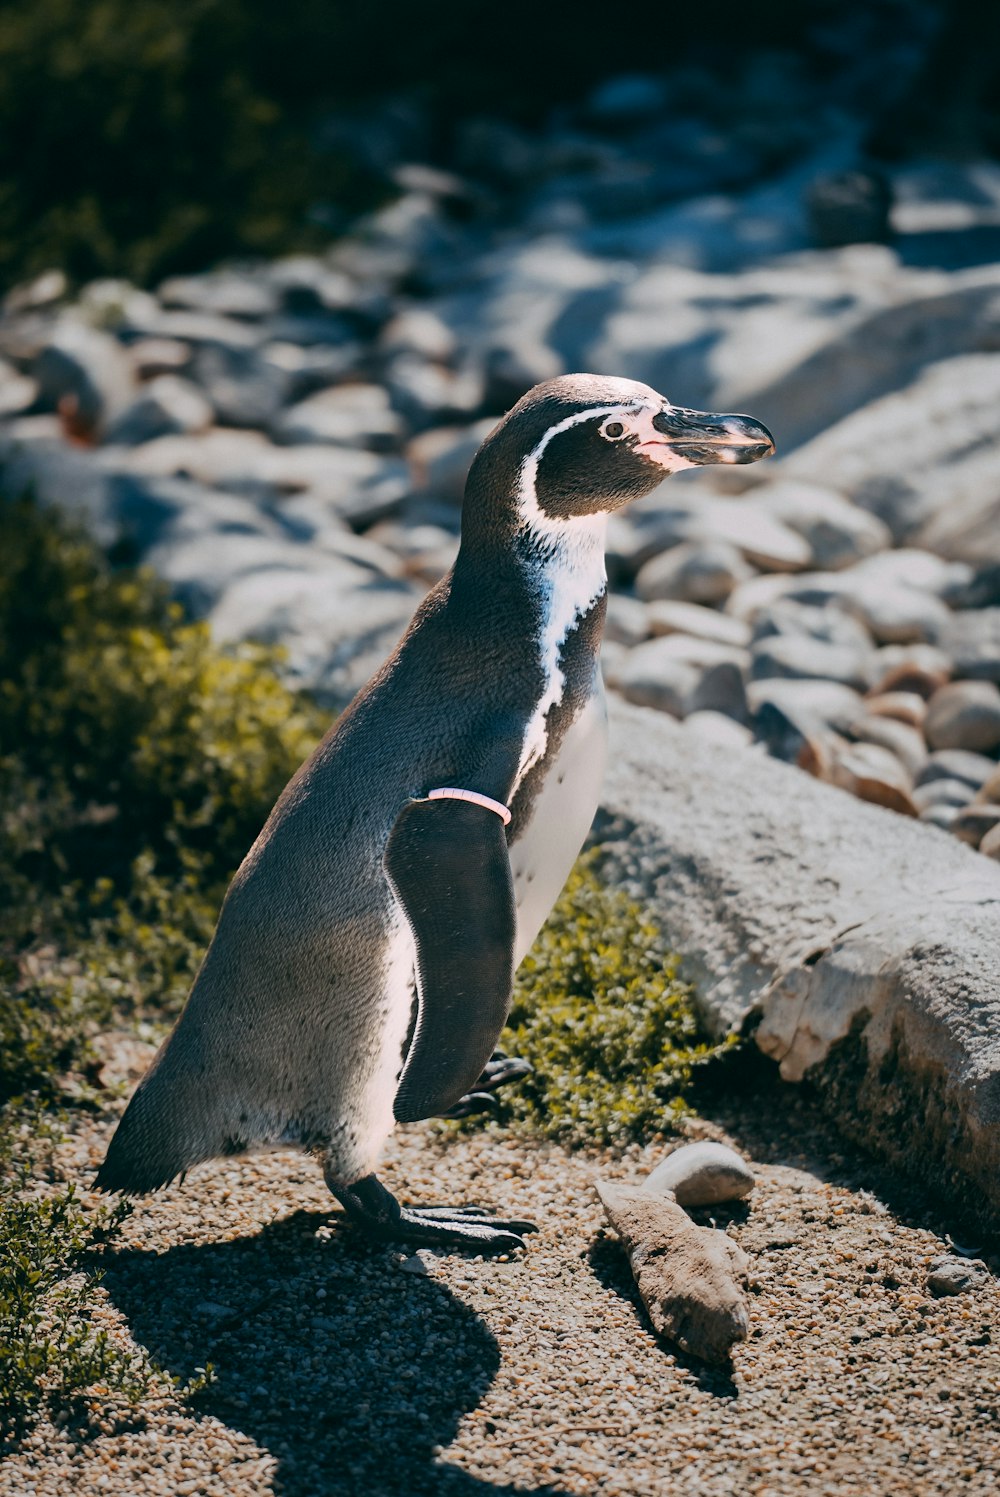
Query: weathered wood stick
x: 689, y: 1276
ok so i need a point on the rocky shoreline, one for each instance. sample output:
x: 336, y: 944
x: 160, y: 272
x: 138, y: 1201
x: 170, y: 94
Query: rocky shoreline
x: 286, y: 443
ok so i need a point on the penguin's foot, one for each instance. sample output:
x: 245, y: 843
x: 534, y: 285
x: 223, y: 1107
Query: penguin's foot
x: 377, y: 1211
x: 498, y: 1072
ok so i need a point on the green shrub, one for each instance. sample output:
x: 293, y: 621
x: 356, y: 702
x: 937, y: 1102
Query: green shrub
x: 52, y: 1355
x: 599, y: 1012
x: 137, y: 764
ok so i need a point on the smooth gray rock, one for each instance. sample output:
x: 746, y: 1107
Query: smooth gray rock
x: 909, y: 456
x: 902, y: 740
x: 971, y: 769
x: 668, y: 616
x: 653, y: 676
x: 85, y: 374
x: 694, y: 572
x: 700, y: 1174
x: 948, y: 793
x: 167, y: 406
x: 838, y: 533
x: 964, y: 715
x: 627, y: 621
x: 440, y: 459
x: 337, y: 628
x: 972, y: 823
x: 971, y: 640
x: 346, y: 416
x: 798, y: 657
x: 17, y: 391
x: 225, y: 293
x: 867, y: 943
x: 244, y: 390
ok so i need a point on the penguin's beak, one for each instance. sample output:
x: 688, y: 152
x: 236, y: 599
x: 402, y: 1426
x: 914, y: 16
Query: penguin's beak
x: 702, y: 437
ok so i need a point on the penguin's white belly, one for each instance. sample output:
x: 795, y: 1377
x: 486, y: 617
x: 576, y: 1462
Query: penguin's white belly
x: 564, y: 807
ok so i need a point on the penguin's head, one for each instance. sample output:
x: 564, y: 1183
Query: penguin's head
x: 586, y: 444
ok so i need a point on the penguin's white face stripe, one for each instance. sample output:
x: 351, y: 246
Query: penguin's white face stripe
x: 570, y: 574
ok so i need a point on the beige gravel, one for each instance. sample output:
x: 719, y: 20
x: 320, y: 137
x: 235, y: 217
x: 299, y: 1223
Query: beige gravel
x: 344, y: 1368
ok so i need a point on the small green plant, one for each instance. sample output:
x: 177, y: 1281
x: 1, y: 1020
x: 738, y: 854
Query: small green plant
x: 610, y: 1031
x: 52, y: 1353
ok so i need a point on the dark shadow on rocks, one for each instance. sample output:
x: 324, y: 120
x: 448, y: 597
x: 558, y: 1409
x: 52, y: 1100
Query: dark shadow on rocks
x: 348, y: 1370
x: 610, y: 1266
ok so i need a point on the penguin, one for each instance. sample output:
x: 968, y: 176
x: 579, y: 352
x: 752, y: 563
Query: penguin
x: 361, y: 970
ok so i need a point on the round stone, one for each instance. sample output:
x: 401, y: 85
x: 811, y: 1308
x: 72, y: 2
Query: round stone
x: 700, y: 1174
x: 964, y: 715
x: 971, y: 823
x: 990, y: 845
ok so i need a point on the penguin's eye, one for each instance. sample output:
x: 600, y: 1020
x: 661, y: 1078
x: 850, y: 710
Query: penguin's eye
x: 614, y: 429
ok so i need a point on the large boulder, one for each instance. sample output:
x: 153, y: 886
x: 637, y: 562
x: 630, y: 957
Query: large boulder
x: 861, y: 948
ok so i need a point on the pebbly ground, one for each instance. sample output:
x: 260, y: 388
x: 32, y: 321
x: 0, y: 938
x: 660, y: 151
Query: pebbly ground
x: 345, y: 1368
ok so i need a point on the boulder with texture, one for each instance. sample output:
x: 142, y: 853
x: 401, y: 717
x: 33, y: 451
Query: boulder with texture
x: 864, y: 946
x: 702, y: 1174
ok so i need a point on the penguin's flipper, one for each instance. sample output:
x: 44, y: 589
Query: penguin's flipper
x: 447, y: 864
x: 496, y: 1073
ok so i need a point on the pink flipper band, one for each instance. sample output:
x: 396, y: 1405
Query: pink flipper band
x: 449, y: 793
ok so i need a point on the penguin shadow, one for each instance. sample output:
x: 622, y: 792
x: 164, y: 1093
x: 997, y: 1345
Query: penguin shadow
x: 348, y: 1371
x: 610, y: 1266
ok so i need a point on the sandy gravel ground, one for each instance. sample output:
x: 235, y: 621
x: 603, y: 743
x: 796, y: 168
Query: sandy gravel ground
x: 346, y: 1368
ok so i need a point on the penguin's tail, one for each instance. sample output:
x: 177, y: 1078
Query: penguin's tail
x: 161, y: 1135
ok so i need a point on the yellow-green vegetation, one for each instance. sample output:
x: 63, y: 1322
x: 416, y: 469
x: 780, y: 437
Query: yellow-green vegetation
x: 600, y: 1013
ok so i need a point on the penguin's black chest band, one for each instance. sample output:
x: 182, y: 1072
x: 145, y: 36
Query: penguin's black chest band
x: 448, y: 792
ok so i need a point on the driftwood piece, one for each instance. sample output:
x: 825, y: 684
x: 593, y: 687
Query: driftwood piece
x: 689, y: 1276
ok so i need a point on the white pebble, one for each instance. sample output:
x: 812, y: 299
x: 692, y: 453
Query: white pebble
x: 701, y: 1174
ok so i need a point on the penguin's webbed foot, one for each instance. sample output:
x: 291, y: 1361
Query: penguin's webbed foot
x: 497, y: 1072
x: 380, y: 1215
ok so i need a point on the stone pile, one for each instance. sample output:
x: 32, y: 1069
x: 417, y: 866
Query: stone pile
x: 286, y: 443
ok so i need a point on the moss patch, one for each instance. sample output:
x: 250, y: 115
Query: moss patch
x: 606, y: 1024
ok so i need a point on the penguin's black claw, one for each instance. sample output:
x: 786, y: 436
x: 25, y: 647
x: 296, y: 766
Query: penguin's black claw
x: 497, y: 1072
x: 377, y: 1211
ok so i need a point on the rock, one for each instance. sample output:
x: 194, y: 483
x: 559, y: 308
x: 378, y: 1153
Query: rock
x: 751, y: 597
x: 948, y: 1275
x: 17, y: 392
x: 821, y: 703
x: 627, y: 620
x: 347, y: 416
x: 700, y: 1174
x: 911, y: 455
x: 440, y: 459
x: 167, y: 406
x: 912, y: 668
x: 244, y: 389
x: 678, y: 512
x: 964, y: 715
x: 153, y: 356
x: 948, y: 793
x: 32, y: 296
x: 911, y: 568
x: 202, y: 567
x: 989, y: 791
x: 718, y: 727
x: 939, y: 816
x: 898, y: 615
x: 850, y: 207
x: 898, y: 706
x: 306, y: 284
x: 666, y: 616
x: 336, y: 635
x: 418, y: 330
x: 690, y: 1278
x: 904, y: 742
x: 222, y: 293
x: 971, y: 823
x: 826, y: 622
x: 173, y: 512
x: 990, y: 845
x: 695, y: 572
x: 796, y: 657
x: 359, y: 487
x: 426, y: 394
x: 513, y: 366
x: 973, y: 770
x: 86, y: 375
x: 838, y: 532
x: 653, y: 676
x: 721, y: 689
x: 972, y: 641
x: 309, y: 369
x: 873, y: 774
x: 865, y: 941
